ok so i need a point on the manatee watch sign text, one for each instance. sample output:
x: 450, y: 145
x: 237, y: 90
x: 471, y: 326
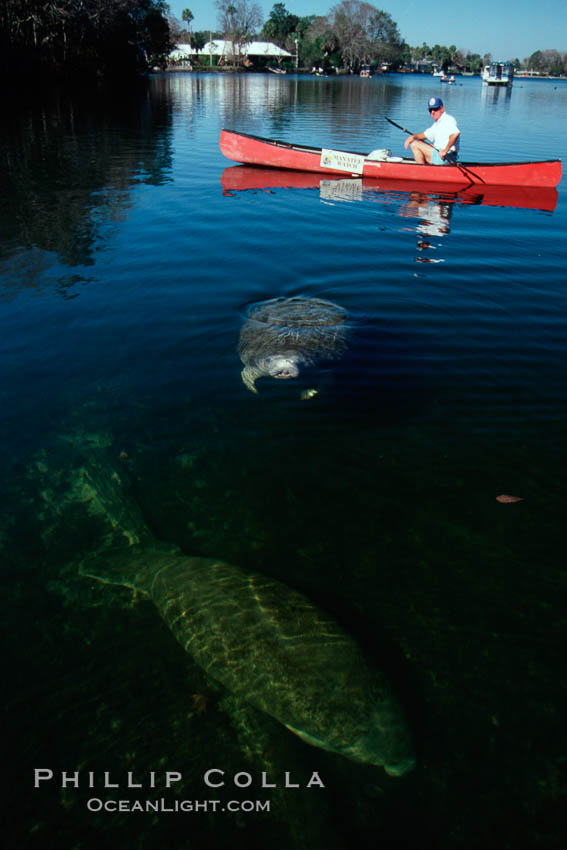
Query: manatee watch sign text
x: 341, y: 161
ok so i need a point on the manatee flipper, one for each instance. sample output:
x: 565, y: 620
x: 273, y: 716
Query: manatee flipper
x: 249, y: 375
x: 309, y: 739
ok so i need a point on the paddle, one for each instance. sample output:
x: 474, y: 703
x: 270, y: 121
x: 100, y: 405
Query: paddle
x: 474, y: 179
x: 399, y: 126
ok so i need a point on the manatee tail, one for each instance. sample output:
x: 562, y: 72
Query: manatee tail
x: 133, y: 566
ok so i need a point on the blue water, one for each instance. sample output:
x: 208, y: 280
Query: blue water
x: 126, y: 268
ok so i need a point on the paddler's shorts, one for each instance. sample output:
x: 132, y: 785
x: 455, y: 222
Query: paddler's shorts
x: 436, y: 159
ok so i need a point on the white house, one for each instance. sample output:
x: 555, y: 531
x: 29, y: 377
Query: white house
x: 221, y: 47
x: 181, y: 53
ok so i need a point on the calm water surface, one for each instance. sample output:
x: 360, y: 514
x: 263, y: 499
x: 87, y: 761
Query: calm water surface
x: 130, y: 251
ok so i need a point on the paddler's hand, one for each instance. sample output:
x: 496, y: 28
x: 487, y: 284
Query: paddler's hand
x: 408, y: 141
x: 443, y: 153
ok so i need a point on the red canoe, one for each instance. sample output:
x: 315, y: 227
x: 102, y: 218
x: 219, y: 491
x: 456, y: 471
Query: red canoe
x: 254, y: 150
x: 238, y: 178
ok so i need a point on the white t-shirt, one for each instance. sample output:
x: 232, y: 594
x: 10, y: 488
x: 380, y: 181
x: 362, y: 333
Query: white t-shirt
x: 439, y: 133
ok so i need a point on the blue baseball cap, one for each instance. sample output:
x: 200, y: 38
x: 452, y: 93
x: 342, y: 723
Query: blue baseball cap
x: 434, y: 103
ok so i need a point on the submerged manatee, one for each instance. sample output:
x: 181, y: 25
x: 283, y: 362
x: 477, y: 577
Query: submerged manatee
x: 272, y: 647
x: 284, y: 335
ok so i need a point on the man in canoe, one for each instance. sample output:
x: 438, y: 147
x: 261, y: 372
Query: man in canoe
x: 443, y: 137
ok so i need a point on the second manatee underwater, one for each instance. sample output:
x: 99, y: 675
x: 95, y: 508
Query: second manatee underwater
x: 271, y: 646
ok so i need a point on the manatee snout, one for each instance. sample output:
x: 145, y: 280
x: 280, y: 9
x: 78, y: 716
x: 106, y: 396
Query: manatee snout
x: 281, y: 367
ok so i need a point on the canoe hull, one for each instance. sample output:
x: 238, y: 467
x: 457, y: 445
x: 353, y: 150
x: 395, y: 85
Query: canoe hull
x: 254, y: 150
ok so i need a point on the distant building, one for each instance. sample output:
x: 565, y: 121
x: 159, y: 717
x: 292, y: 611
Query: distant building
x: 227, y: 49
x: 182, y: 53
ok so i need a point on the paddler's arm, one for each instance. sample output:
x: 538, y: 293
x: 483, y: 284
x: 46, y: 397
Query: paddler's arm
x: 452, y: 139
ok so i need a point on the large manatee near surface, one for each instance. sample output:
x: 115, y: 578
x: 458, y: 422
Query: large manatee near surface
x: 283, y: 336
x: 271, y: 646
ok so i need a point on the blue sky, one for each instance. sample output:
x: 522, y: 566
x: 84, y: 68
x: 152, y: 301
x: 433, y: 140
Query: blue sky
x: 508, y: 29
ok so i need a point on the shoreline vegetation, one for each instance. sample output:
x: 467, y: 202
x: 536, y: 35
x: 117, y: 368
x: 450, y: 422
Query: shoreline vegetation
x: 82, y: 41
x: 231, y: 69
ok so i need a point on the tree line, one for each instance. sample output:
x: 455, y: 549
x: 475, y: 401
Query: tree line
x: 81, y: 38
x: 75, y: 39
x: 353, y: 33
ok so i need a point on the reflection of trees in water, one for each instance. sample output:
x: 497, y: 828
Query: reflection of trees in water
x: 358, y: 103
x: 267, y: 96
x: 68, y: 166
x: 246, y: 100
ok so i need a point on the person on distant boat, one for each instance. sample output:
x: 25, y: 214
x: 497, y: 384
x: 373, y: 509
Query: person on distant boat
x: 444, y: 136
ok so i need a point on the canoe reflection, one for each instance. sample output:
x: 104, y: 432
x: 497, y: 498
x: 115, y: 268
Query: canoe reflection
x: 239, y: 178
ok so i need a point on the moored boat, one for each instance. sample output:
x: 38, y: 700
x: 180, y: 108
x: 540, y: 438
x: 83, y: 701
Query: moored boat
x: 271, y: 153
x: 498, y: 74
